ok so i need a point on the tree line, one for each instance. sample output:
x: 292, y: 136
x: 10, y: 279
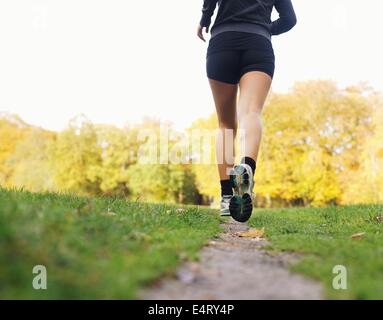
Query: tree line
x: 322, y: 145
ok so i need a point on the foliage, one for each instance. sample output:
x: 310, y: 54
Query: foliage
x: 12, y: 130
x: 117, y: 148
x: 321, y: 145
x: 205, y: 170
x: 29, y: 162
x: 73, y: 156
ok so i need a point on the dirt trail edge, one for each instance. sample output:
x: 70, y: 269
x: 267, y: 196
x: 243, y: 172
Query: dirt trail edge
x: 235, y: 268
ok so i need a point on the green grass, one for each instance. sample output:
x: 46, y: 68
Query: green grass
x: 88, y: 252
x: 324, y: 237
x: 91, y: 253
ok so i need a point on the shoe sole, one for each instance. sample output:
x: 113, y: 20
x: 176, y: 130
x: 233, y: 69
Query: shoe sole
x: 241, y: 205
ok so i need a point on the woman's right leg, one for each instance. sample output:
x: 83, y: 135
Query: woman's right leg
x: 254, y: 88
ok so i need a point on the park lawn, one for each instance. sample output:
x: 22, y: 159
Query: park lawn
x: 323, y: 235
x: 93, y: 248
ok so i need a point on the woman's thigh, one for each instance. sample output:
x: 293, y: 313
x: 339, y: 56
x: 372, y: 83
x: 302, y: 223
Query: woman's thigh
x: 225, y: 99
x: 254, y: 88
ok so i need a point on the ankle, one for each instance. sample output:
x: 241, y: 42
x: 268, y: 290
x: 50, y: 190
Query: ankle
x: 250, y: 162
x: 226, y: 189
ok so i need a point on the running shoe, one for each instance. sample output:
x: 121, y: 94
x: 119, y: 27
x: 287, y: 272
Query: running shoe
x: 242, y: 181
x: 225, y: 203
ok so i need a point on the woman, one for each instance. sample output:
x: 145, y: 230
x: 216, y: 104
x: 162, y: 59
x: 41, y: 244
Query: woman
x: 240, y: 56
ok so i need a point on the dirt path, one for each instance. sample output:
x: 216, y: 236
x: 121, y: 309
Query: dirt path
x: 234, y: 268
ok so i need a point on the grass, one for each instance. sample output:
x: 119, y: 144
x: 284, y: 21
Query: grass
x: 324, y: 237
x: 96, y: 248
x: 104, y: 248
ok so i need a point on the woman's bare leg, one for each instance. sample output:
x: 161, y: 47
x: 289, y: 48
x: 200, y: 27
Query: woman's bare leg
x: 225, y: 99
x: 254, y: 88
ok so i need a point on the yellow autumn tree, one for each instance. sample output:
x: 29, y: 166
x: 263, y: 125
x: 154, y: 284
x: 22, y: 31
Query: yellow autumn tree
x: 74, y: 153
x: 12, y: 130
x: 202, y: 139
x: 366, y: 180
x: 162, y: 171
x: 30, y: 162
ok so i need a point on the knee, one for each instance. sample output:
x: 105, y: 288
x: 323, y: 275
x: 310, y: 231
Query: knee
x: 227, y: 124
x: 255, y: 114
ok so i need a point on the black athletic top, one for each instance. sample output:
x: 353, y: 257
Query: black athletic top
x: 252, y: 16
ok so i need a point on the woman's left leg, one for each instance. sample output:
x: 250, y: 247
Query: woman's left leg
x: 225, y: 99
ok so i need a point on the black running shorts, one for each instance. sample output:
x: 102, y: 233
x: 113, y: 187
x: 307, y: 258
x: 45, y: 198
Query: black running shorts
x: 231, y: 54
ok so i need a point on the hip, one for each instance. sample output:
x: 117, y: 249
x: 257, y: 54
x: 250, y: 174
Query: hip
x: 240, y: 41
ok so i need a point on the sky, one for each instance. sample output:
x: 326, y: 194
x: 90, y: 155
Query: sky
x: 118, y: 61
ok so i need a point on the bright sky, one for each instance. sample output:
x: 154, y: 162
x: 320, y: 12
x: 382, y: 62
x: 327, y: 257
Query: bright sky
x: 117, y: 61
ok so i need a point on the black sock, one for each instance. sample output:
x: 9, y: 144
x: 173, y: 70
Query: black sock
x: 226, y: 189
x: 251, y: 162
